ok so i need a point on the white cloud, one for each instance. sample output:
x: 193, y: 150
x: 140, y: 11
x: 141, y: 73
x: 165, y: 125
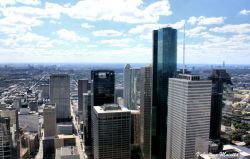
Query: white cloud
x: 110, y: 33
x: 128, y: 11
x: 197, y: 31
x: 206, y: 20
x: 145, y: 30
x: 117, y: 42
x: 71, y: 36
x: 87, y: 26
x: 26, y: 2
x: 245, y: 12
x: 230, y: 28
x: 18, y: 24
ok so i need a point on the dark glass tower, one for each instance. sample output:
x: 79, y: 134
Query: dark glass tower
x: 219, y: 79
x: 164, y: 67
x: 103, y: 86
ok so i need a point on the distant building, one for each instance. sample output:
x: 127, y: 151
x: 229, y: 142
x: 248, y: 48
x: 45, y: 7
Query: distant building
x: 127, y: 85
x: 189, y: 103
x: 49, y: 117
x: 45, y: 90
x: 5, y: 138
x: 145, y: 111
x: 111, y: 119
x: 65, y: 128
x: 67, y: 152
x: 118, y: 93
x: 103, y: 86
x: 82, y: 88
x: 60, y: 95
x: 131, y: 87
x: 164, y: 67
x: 220, y: 81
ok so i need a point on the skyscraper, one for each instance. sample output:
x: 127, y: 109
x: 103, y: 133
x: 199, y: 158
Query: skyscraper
x: 82, y: 88
x: 131, y: 87
x: 127, y: 83
x: 103, y: 86
x: 164, y: 67
x: 220, y: 78
x: 111, y: 132
x: 49, y: 114
x: 87, y: 117
x: 60, y: 95
x: 5, y: 138
x: 189, y: 103
x: 145, y: 111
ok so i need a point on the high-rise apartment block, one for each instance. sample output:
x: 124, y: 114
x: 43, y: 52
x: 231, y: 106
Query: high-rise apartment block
x: 60, y: 95
x: 145, y: 111
x: 164, y: 67
x: 49, y: 115
x: 131, y: 87
x: 189, y: 104
x: 82, y: 88
x: 103, y: 86
x: 111, y: 132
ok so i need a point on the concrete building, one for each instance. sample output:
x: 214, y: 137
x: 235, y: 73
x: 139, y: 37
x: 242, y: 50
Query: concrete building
x: 127, y: 83
x: 82, y: 88
x: 5, y: 138
x: 135, y: 127
x: 65, y: 128
x: 29, y: 122
x: 67, y: 152
x: 49, y: 121
x: 145, y: 111
x: 111, y: 119
x: 45, y: 90
x: 64, y: 140
x: 189, y: 104
x: 60, y: 95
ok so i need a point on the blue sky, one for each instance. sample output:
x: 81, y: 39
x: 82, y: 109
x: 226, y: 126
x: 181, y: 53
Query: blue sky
x: 120, y: 31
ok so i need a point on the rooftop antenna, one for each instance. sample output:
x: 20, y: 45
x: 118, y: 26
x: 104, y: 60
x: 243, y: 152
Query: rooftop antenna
x: 184, y: 38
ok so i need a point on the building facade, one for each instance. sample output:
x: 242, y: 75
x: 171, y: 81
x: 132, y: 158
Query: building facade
x: 145, y: 111
x: 189, y: 102
x: 87, y: 117
x: 111, y: 119
x: 49, y: 121
x: 219, y: 78
x: 132, y: 87
x: 5, y: 138
x: 103, y: 86
x: 60, y: 95
x: 82, y: 88
x: 164, y: 67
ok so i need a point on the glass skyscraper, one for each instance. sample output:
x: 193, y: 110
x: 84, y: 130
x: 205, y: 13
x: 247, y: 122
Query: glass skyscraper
x: 103, y: 86
x: 221, y: 80
x: 164, y: 67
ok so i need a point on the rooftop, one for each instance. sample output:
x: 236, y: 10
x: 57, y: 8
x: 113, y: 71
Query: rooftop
x: 108, y: 108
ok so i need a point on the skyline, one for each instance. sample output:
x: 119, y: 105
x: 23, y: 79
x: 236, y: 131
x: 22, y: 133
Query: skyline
x: 120, y: 31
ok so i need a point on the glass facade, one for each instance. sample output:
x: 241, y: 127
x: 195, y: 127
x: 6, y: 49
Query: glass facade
x: 221, y: 87
x: 164, y: 67
x: 103, y: 86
